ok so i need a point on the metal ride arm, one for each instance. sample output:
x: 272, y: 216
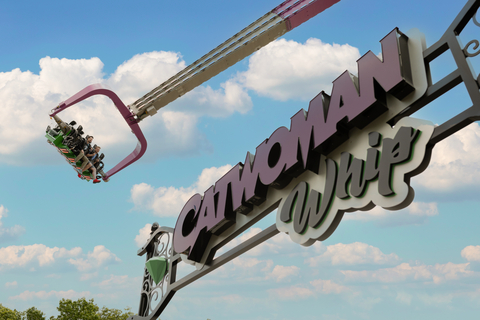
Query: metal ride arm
x: 95, y: 89
x: 285, y: 17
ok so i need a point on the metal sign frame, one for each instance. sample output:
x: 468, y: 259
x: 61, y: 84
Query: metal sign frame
x: 155, y: 297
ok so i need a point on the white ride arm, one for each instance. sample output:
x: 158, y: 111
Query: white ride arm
x: 285, y: 17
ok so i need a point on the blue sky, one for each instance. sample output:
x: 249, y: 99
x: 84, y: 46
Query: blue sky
x: 64, y: 238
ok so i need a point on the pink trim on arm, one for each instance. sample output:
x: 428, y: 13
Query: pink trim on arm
x: 296, y: 12
x: 95, y: 89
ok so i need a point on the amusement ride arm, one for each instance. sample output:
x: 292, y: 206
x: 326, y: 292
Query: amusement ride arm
x: 285, y: 17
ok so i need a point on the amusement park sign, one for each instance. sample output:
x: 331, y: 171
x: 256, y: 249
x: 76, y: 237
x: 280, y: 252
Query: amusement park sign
x: 354, y: 149
x: 341, y: 155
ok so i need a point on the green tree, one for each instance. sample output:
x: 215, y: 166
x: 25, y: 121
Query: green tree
x: 82, y: 309
x: 114, y: 314
x: 33, y: 314
x: 8, y: 314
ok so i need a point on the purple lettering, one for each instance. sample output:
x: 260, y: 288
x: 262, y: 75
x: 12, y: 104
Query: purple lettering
x: 354, y: 102
x: 184, y: 236
x: 273, y: 156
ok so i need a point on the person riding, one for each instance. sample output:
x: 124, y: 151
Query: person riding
x: 84, y: 147
x: 92, y: 157
x: 93, y: 154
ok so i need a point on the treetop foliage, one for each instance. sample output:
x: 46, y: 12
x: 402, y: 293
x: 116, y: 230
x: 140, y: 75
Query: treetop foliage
x: 82, y: 309
x: 29, y: 314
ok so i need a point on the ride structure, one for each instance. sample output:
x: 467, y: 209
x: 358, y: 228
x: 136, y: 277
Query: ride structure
x: 283, y: 18
x: 69, y: 142
x: 309, y: 175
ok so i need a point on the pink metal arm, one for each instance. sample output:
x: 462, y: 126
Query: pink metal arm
x: 95, y: 89
x: 296, y: 12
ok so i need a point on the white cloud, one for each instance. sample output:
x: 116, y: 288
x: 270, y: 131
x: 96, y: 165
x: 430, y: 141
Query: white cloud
x: 436, y: 299
x: 245, y: 269
x: 404, y: 272
x: 416, y: 213
x: 11, y: 232
x: 230, y: 299
x: 118, y: 282
x: 283, y: 273
x: 143, y: 235
x: 248, y: 263
x: 366, y: 303
x: 286, y: 69
x: 280, y: 243
x: 231, y: 98
x: 168, y: 201
x: 3, y: 212
x: 269, y: 246
x: 328, y: 286
x: 179, y: 134
x: 282, y: 70
x: 27, y: 98
x: 99, y: 257
x: 36, y: 256
x: 143, y: 72
x: 457, y: 156
x: 88, y: 276
x: 471, y: 253
x: 33, y: 255
x: 12, y: 284
x: 291, y: 293
x: 352, y: 254
x: 43, y: 295
x: 317, y: 286
x: 115, y: 288
x: 404, y: 298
